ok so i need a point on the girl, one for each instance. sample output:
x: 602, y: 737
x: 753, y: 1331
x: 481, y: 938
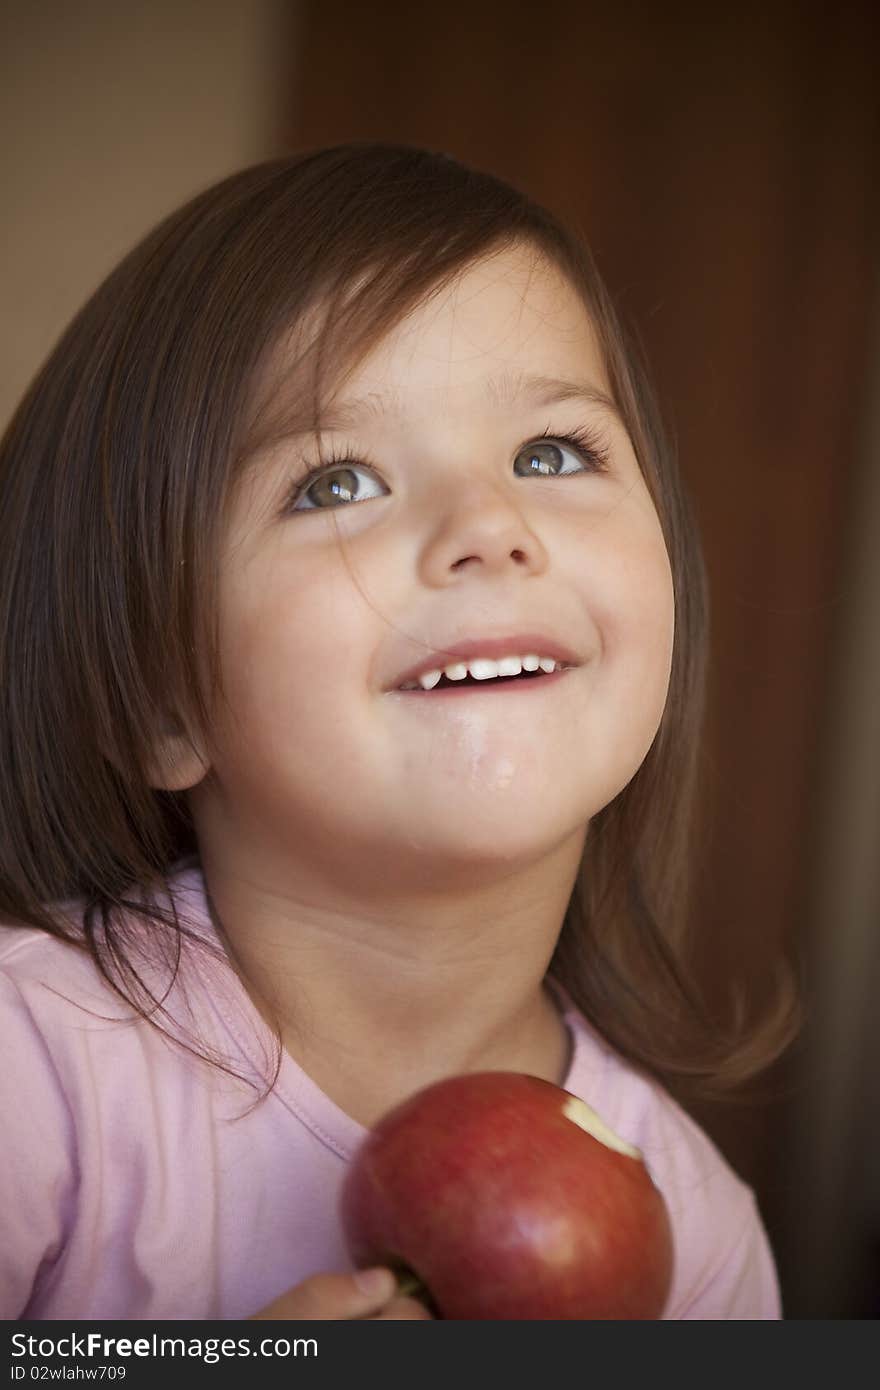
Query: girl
x: 353, y: 632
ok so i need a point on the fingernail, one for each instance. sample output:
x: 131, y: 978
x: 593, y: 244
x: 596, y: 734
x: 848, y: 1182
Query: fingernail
x: 375, y: 1283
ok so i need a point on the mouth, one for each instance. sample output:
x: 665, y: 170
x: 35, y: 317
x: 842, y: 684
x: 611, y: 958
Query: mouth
x: 468, y: 687
x: 518, y: 662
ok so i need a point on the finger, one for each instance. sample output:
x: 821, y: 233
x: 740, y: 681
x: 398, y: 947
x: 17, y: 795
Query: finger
x: 326, y: 1296
x: 404, y: 1310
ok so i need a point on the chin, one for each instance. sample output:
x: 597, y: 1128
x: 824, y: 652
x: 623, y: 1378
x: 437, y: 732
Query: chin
x: 474, y: 848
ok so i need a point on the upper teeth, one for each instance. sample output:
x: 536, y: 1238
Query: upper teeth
x: 482, y: 670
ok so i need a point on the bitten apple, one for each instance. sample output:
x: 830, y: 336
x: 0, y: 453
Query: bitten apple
x: 507, y: 1197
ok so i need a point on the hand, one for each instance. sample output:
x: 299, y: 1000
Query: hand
x: 369, y: 1293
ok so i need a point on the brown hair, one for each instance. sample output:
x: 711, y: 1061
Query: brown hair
x: 115, y: 475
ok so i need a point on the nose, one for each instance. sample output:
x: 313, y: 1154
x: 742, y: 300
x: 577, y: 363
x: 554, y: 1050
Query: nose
x: 482, y: 528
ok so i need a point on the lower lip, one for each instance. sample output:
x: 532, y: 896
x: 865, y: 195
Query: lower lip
x: 489, y: 687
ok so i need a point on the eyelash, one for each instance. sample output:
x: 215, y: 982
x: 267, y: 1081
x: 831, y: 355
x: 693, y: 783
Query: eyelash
x: 592, y: 449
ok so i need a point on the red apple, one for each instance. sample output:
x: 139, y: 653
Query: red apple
x: 508, y: 1197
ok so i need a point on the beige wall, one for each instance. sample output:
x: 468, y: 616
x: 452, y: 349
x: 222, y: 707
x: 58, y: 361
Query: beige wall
x: 113, y: 112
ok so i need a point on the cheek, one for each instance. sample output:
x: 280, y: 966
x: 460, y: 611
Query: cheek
x: 636, y: 614
x: 652, y: 609
x: 287, y: 640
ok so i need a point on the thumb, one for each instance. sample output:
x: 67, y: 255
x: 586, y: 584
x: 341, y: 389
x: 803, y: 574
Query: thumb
x: 376, y: 1287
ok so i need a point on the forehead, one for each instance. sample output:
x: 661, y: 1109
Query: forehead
x: 501, y: 317
x: 491, y: 334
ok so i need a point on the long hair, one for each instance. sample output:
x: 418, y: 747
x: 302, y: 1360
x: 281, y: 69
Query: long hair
x: 116, y: 474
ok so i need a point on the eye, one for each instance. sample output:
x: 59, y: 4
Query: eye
x: 333, y: 484
x: 545, y: 457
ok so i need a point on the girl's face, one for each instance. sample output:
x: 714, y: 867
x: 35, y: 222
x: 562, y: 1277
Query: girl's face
x: 460, y: 517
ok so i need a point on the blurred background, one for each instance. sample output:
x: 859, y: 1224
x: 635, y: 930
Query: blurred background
x: 724, y: 166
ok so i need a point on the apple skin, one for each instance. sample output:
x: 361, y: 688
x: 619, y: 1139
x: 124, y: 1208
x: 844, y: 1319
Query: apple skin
x: 505, y: 1208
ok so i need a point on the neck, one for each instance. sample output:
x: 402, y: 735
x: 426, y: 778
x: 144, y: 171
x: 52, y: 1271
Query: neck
x: 374, y: 1005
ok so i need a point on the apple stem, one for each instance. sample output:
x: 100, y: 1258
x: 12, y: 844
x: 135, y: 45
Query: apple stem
x: 409, y: 1285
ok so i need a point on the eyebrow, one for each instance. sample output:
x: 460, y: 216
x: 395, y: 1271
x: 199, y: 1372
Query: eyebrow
x: 504, y: 390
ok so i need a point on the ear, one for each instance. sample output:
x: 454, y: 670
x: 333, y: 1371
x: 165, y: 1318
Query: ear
x: 179, y: 761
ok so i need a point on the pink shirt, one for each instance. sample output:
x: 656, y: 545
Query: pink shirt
x: 129, y: 1189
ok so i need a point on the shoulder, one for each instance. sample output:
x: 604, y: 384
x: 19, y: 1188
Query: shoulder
x: 48, y: 987
x: 724, y: 1266
x: 56, y: 982
x: 56, y: 1001
x: 31, y: 958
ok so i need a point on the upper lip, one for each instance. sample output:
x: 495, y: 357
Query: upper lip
x: 494, y: 648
